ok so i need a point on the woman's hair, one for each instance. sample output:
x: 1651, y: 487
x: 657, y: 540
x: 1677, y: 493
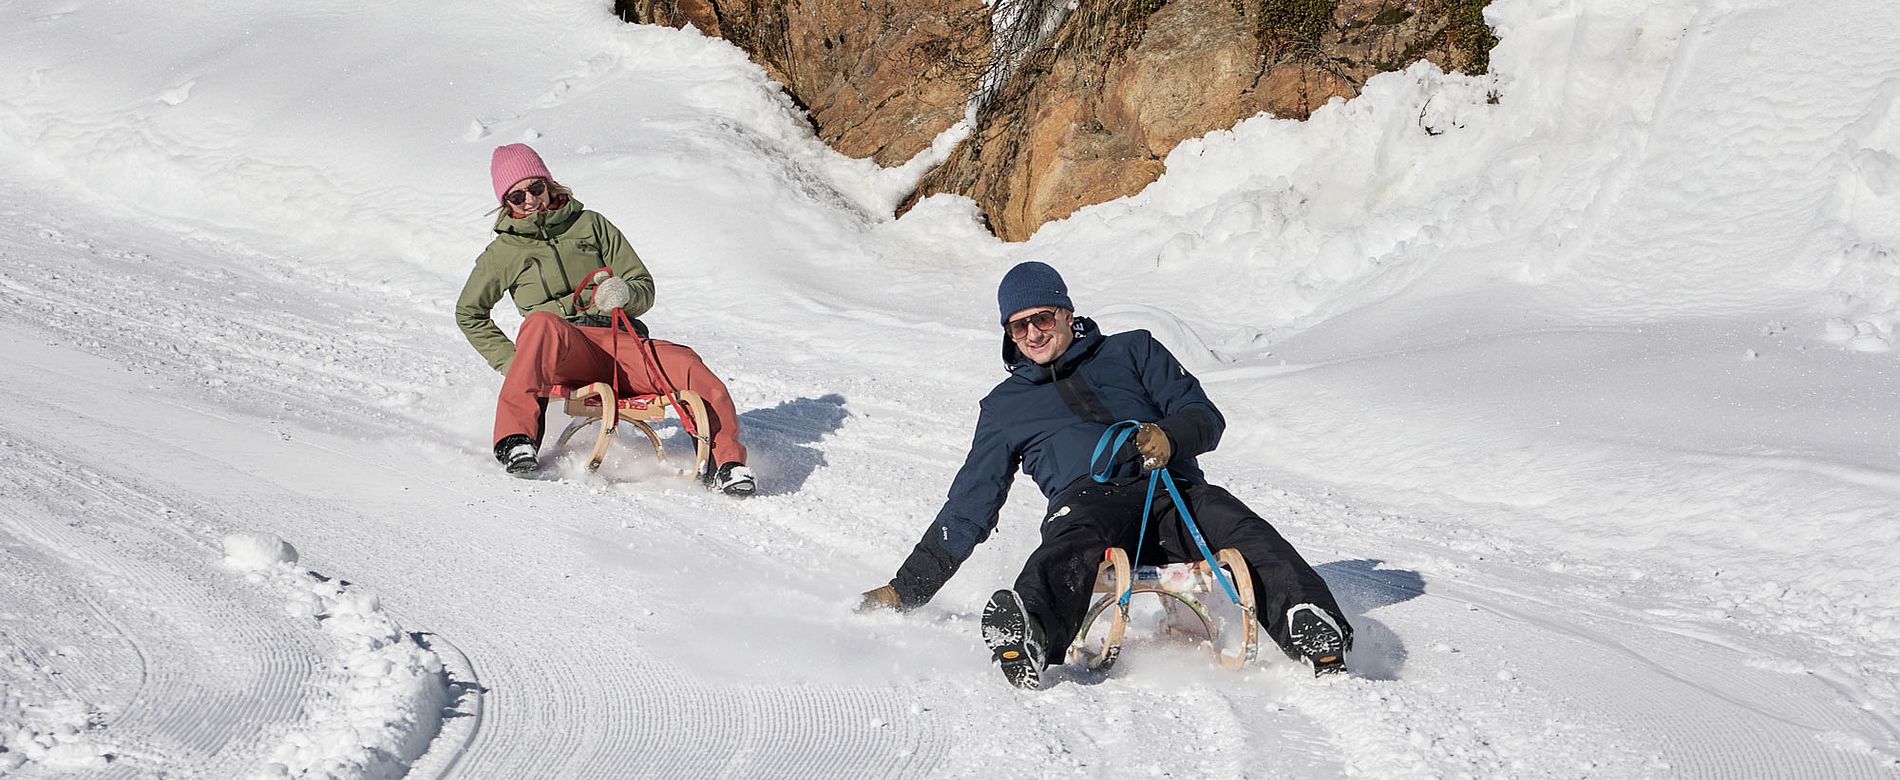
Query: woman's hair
x: 556, y: 191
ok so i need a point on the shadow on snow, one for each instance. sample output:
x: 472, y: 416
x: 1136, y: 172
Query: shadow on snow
x: 1361, y: 586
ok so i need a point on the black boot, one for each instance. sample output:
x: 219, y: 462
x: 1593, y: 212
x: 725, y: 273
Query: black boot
x: 1015, y: 640
x: 732, y: 479
x: 517, y: 452
x: 1317, y: 638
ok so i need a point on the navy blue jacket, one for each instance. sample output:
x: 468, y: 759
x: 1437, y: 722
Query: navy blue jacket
x: 1047, y: 420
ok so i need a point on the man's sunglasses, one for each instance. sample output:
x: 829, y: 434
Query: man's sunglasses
x: 520, y: 196
x: 1043, y: 320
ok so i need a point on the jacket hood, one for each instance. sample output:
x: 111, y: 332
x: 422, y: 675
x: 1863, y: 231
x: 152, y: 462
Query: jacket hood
x: 550, y: 222
x: 1088, y: 338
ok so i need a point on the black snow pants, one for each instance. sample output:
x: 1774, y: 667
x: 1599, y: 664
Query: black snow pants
x: 1058, y: 580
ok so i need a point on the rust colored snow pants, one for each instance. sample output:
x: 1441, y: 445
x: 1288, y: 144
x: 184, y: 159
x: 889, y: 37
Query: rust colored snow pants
x: 550, y: 352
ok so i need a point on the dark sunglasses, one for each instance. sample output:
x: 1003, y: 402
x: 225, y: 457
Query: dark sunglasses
x: 1043, y: 320
x: 520, y: 196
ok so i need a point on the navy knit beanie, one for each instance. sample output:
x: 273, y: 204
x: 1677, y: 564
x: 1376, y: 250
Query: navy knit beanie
x: 1028, y: 285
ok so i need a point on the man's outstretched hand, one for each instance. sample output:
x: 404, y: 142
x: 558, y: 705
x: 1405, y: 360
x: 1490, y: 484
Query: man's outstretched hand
x: 881, y: 598
x: 1154, y: 446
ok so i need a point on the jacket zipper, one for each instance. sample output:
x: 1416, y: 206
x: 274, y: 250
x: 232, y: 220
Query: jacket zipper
x: 560, y: 301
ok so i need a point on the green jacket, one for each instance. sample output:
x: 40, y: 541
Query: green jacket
x: 539, y: 260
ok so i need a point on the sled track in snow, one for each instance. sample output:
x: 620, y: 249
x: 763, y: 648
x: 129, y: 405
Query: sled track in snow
x: 786, y: 732
x: 600, y: 714
x: 199, y: 640
x: 597, y: 702
x: 57, y: 644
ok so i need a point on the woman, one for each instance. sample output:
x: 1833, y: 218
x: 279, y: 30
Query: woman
x: 546, y: 246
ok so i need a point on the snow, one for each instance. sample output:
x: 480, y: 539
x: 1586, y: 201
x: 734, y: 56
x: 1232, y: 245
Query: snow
x: 258, y: 552
x: 389, y: 703
x: 1577, y: 381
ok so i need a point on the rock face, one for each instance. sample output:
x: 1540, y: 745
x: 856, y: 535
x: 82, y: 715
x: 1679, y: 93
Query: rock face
x: 1092, y: 108
x: 880, y: 78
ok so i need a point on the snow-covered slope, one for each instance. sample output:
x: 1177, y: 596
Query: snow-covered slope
x: 1576, y: 381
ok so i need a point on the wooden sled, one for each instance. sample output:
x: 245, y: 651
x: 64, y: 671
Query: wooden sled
x: 585, y: 405
x: 1179, y: 586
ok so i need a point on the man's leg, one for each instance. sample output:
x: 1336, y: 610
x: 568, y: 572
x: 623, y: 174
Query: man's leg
x: 1058, y: 581
x: 1281, y: 578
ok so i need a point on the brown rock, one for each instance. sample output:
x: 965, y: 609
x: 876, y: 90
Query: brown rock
x: 1090, y: 117
x: 880, y: 78
x: 1090, y: 114
x: 673, y: 13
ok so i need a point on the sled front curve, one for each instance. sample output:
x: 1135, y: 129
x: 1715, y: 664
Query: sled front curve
x: 1112, y: 577
x: 1242, y: 578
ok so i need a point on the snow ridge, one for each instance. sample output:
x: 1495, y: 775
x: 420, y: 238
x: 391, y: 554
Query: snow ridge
x: 384, y: 702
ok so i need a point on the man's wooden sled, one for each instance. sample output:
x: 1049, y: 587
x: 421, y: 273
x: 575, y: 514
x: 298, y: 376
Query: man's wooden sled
x: 1179, y: 586
x: 586, y: 406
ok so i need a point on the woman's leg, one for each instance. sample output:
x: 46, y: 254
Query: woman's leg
x: 549, y: 352
x: 682, y: 369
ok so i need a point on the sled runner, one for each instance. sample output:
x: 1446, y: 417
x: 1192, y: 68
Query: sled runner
x: 586, y: 406
x: 1179, y: 586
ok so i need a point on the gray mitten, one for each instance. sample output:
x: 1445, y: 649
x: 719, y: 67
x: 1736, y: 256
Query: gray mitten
x: 611, y: 293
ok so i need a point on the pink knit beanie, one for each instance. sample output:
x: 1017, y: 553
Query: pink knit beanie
x: 511, y: 164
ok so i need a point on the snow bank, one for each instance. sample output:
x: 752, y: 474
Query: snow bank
x: 1278, y: 224
x: 386, y: 702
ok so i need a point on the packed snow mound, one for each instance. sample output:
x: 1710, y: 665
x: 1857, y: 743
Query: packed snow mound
x: 62, y: 734
x: 1866, y: 272
x: 257, y: 551
x: 387, y: 693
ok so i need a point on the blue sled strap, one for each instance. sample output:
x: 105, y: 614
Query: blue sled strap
x: 1102, y: 465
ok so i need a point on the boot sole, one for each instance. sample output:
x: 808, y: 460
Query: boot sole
x: 1006, y: 631
x: 1318, y: 641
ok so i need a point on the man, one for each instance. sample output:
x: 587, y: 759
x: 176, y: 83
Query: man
x: 1068, y: 383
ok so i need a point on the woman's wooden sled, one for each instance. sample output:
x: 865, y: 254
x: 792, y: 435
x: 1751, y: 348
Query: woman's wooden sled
x: 1179, y: 586
x: 585, y: 406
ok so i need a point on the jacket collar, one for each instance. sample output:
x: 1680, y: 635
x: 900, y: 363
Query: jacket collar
x: 1088, y: 338
x: 541, y: 225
